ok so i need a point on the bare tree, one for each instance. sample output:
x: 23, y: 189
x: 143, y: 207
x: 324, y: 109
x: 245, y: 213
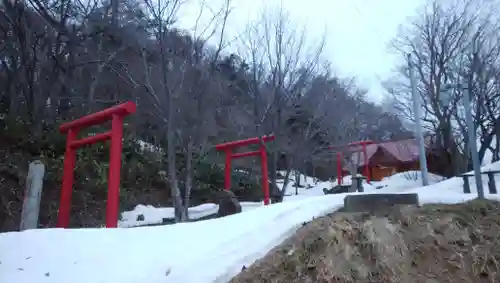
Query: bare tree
x: 163, y: 15
x: 479, y: 76
x: 443, y: 43
x: 279, y: 56
x: 201, y: 99
x: 62, y: 59
x: 176, y: 99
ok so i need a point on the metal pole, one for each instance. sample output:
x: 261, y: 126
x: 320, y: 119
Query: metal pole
x: 472, y: 145
x: 418, y: 125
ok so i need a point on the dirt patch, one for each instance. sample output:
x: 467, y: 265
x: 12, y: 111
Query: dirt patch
x: 429, y: 244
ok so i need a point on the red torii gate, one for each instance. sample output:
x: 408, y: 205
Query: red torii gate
x: 228, y: 149
x: 71, y: 129
x: 366, y: 167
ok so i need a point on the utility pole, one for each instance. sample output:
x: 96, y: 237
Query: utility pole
x: 471, y: 130
x: 418, y: 125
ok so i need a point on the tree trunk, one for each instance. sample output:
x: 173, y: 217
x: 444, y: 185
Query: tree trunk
x: 297, y: 182
x: 496, y: 150
x: 496, y: 156
x: 354, y: 173
x: 486, y: 144
x: 285, y: 182
x: 274, y: 161
x: 179, y: 211
x: 175, y: 193
x: 189, y: 177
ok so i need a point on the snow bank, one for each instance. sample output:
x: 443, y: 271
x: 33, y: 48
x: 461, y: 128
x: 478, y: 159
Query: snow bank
x: 155, y: 215
x: 188, y: 252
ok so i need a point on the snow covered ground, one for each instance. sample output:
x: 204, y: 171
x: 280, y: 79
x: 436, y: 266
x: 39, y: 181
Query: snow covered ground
x: 396, y: 183
x: 198, y: 252
x: 309, y: 186
x: 155, y: 215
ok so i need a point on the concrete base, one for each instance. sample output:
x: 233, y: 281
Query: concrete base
x: 376, y: 202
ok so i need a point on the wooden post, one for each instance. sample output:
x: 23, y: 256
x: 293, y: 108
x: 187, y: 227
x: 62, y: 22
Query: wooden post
x: 116, y: 115
x: 229, y: 146
x: 354, y: 174
x: 32, y: 196
x: 339, y: 169
x: 359, y: 181
x: 265, y: 179
x: 491, y: 182
x: 227, y: 170
x: 465, y: 177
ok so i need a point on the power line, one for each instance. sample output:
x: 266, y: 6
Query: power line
x: 363, y: 15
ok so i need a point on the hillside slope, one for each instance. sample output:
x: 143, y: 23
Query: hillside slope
x: 434, y: 243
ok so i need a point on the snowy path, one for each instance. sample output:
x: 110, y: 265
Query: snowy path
x: 199, y: 252
x: 155, y: 254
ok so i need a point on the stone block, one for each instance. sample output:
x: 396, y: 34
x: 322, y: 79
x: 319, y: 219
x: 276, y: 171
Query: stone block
x: 376, y: 202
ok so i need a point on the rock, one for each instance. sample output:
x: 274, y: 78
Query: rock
x: 275, y: 193
x: 338, y: 189
x: 377, y: 202
x: 228, y: 203
x: 357, y: 184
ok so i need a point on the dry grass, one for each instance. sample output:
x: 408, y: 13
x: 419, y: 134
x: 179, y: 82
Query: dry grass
x: 430, y: 244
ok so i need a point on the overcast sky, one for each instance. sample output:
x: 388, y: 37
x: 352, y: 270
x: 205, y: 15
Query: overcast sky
x: 358, y: 31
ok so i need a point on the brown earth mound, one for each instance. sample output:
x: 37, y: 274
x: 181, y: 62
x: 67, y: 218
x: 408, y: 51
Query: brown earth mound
x: 408, y: 244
